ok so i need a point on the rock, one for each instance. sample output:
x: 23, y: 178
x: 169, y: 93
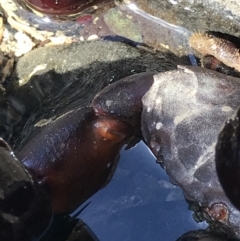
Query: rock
x: 162, y: 25
x: 201, y: 15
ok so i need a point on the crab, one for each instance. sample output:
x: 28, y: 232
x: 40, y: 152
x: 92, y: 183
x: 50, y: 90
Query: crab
x: 178, y: 114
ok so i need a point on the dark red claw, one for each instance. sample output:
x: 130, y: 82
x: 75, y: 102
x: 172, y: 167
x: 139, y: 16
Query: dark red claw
x: 76, y: 155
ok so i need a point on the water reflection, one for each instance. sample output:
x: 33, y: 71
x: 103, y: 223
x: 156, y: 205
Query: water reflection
x: 139, y: 203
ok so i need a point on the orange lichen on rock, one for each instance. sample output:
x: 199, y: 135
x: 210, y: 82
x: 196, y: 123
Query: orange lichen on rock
x: 221, y: 49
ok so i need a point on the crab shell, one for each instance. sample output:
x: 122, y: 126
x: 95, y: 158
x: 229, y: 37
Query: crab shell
x: 183, y: 114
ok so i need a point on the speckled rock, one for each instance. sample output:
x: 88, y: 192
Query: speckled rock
x: 168, y: 24
x: 200, y: 15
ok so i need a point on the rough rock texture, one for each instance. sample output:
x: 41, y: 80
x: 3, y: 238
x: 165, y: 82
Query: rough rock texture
x: 168, y: 24
x: 198, y: 15
x: 161, y: 24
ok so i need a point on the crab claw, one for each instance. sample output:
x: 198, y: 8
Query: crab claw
x: 123, y: 99
x: 75, y: 155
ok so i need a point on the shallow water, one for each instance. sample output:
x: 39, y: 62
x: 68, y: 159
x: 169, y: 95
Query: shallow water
x: 139, y: 203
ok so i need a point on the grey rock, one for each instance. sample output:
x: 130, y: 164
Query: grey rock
x: 168, y: 24
x: 200, y: 15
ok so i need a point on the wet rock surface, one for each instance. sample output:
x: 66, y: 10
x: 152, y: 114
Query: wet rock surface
x: 163, y: 25
x: 212, y: 15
